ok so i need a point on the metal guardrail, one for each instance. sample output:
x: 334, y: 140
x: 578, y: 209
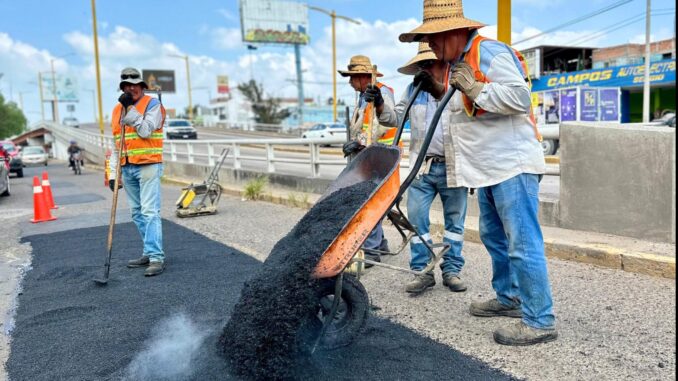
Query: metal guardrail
x: 207, y: 151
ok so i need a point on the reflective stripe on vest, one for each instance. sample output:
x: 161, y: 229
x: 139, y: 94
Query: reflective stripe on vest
x: 138, y: 150
x: 389, y: 135
x: 473, y: 59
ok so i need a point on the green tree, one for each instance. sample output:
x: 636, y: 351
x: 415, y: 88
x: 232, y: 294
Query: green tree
x: 12, y: 119
x: 266, y: 110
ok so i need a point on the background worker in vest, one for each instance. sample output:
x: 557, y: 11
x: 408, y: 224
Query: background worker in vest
x: 377, y: 97
x: 143, y: 117
x: 432, y: 180
x: 496, y: 150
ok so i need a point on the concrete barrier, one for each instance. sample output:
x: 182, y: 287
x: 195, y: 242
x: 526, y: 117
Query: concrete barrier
x: 618, y: 179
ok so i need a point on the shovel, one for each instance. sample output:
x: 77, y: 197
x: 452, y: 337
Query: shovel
x: 118, y: 168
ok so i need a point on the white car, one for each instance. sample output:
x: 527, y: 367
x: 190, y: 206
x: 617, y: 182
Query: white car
x: 326, y: 130
x: 71, y: 122
x: 34, y: 155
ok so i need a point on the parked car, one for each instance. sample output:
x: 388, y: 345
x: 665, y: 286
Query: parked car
x: 179, y: 129
x: 15, y: 165
x: 325, y: 130
x: 34, y: 155
x: 71, y: 122
x: 4, y: 178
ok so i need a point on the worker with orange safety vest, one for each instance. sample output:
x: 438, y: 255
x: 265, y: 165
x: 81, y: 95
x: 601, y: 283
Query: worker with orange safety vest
x: 140, y: 118
x: 495, y: 147
x: 374, y: 114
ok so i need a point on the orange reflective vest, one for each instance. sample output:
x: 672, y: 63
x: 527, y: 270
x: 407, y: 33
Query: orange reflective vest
x: 389, y: 135
x: 138, y: 150
x: 473, y: 59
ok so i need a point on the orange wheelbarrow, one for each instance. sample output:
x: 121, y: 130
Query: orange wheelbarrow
x: 343, y: 303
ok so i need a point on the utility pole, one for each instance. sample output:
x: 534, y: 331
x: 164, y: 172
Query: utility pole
x: 646, y: 83
x: 98, y: 70
x: 334, y: 16
x: 250, y: 48
x: 42, y: 101
x: 300, y: 83
x: 188, y: 79
x: 55, y: 108
x: 504, y: 21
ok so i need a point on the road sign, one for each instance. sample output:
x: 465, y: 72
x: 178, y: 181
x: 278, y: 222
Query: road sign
x: 163, y: 80
x: 273, y: 21
x: 66, y: 88
x: 70, y: 108
x: 222, y: 84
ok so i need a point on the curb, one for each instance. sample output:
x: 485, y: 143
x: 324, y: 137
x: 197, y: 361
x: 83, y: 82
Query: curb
x: 594, y: 254
x: 552, y: 159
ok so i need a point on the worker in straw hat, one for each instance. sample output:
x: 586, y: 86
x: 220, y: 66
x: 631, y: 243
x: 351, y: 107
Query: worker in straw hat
x: 373, y: 121
x: 432, y: 180
x: 496, y: 149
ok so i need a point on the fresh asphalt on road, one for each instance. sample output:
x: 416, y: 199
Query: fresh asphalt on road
x: 67, y: 327
x: 613, y: 324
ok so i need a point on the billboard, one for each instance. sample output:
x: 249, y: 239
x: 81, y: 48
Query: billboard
x: 661, y: 72
x: 533, y: 60
x: 222, y: 84
x: 66, y: 88
x: 274, y: 21
x: 159, y: 80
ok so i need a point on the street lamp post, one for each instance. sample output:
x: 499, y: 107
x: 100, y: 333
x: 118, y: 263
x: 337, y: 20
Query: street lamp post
x: 648, y: 55
x: 334, y: 16
x: 504, y: 21
x: 42, y: 104
x: 188, y: 79
x: 98, y: 71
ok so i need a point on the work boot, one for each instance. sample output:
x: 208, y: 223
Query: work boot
x: 372, y: 257
x: 454, y: 283
x: 493, y: 308
x: 139, y: 262
x: 420, y: 283
x: 154, y: 268
x: 521, y: 334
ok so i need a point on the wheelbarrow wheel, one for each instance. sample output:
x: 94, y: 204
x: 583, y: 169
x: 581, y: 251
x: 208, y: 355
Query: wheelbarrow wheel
x: 349, y: 320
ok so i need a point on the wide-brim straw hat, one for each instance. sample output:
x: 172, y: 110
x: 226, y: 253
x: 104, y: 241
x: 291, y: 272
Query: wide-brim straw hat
x: 130, y: 71
x: 424, y: 54
x: 359, y: 65
x: 440, y: 16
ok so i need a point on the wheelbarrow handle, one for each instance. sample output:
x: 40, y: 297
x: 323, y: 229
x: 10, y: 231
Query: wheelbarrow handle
x: 427, y: 141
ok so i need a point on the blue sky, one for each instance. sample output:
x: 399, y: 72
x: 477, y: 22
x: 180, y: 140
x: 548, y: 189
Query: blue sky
x: 143, y: 33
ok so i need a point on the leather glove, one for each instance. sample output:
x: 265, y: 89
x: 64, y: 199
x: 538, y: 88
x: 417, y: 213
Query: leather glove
x: 373, y: 94
x: 352, y: 147
x: 111, y: 184
x: 126, y: 100
x: 428, y: 83
x: 463, y: 78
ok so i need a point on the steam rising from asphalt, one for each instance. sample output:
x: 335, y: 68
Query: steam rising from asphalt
x: 170, y: 352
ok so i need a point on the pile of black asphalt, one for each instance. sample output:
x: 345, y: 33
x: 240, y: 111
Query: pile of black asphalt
x: 67, y: 328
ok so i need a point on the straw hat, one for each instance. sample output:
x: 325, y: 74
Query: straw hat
x: 358, y: 65
x: 424, y: 54
x: 132, y: 76
x: 440, y: 16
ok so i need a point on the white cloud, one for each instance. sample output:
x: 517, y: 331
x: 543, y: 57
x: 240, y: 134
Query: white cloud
x: 225, y: 38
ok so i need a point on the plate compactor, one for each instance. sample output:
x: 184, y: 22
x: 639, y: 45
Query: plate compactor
x: 201, y: 199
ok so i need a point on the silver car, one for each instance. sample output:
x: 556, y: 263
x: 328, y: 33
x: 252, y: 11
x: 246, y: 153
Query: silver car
x: 34, y: 155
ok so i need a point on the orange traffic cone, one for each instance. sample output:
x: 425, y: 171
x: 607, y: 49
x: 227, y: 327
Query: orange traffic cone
x: 47, y: 190
x: 40, y: 208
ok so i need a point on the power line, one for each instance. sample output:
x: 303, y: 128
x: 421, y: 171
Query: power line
x: 576, y: 20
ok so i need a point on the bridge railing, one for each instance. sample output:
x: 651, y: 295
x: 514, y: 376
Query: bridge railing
x: 266, y: 155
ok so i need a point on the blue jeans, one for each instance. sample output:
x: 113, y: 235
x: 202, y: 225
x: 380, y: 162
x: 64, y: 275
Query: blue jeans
x: 375, y: 238
x: 142, y: 186
x: 510, y: 231
x: 420, y: 196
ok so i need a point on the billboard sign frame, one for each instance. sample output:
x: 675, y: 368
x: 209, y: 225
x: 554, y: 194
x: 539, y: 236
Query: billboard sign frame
x: 274, y: 22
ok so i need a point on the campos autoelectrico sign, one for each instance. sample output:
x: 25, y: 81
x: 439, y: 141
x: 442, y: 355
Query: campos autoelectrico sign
x: 271, y: 21
x: 661, y: 72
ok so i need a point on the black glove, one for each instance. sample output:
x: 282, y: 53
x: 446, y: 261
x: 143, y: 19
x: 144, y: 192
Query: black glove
x: 373, y: 94
x: 426, y: 80
x: 126, y: 100
x: 352, y: 147
x: 111, y: 184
